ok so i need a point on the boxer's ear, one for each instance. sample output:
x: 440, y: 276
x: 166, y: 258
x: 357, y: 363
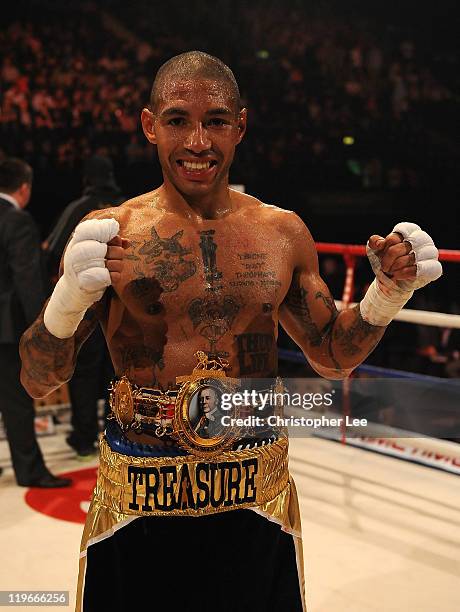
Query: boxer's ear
x: 148, y: 125
x: 242, y: 122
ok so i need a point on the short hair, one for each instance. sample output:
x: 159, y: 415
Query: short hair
x: 14, y: 173
x: 196, y: 64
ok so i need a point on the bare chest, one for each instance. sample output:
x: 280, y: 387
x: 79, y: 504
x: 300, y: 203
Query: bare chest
x: 216, y: 270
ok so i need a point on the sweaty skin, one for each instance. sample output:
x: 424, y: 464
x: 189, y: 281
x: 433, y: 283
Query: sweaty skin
x: 207, y: 268
x: 219, y: 286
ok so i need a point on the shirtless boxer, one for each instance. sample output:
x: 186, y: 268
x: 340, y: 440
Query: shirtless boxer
x: 195, y: 266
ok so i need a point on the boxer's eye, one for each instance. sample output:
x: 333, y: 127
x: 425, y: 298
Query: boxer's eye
x: 217, y: 122
x: 176, y: 121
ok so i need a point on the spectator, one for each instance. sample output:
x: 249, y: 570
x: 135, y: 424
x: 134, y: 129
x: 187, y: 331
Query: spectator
x: 22, y: 296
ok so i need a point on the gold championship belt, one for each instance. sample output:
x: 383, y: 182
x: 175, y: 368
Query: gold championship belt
x: 190, y: 415
x: 188, y: 485
x: 210, y: 477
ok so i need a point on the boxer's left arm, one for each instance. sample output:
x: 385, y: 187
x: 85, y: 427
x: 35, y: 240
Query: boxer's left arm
x: 336, y: 342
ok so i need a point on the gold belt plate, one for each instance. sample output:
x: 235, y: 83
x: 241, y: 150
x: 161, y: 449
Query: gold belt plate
x: 196, y: 425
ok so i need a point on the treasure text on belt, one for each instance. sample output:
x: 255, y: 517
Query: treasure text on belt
x: 189, y: 485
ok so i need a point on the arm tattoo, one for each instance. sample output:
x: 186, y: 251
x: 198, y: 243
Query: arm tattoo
x: 343, y: 337
x: 47, y: 361
x: 297, y: 302
x: 330, y: 351
x: 349, y: 340
x: 44, y: 355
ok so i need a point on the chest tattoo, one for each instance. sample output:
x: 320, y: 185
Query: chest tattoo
x: 208, y: 253
x: 165, y: 258
x: 213, y: 318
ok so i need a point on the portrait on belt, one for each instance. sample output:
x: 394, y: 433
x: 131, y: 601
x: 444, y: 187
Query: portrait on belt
x: 205, y: 416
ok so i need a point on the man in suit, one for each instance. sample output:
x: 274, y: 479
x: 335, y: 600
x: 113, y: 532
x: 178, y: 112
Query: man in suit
x: 22, y: 296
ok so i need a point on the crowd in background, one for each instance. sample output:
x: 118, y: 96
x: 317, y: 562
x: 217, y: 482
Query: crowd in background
x: 335, y: 103
x: 343, y: 102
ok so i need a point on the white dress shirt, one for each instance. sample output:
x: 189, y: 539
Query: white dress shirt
x: 7, y: 196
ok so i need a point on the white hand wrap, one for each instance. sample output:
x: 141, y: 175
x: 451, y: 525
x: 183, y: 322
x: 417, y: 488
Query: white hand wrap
x: 85, y: 276
x: 385, y: 298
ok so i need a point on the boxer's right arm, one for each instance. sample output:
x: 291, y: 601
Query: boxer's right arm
x: 92, y: 261
x: 48, y: 362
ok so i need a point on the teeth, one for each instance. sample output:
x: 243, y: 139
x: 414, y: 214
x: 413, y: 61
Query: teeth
x: 196, y: 166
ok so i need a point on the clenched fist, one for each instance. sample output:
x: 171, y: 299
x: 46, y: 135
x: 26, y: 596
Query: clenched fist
x: 114, y: 257
x: 407, y: 254
x: 93, y: 260
x: 403, y: 261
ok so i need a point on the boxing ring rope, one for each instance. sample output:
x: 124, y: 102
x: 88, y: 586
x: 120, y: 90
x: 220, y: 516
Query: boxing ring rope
x: 422, y: 317
x: 433, y: 452
x: 360, y: 250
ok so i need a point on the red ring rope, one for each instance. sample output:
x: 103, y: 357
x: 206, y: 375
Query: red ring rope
x: 360, y: 250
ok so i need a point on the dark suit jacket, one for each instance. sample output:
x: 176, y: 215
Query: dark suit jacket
x: 22, y: 291
x: 93, y: 198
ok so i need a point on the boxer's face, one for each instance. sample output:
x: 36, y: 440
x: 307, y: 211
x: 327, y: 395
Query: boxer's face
x: 196, y: 128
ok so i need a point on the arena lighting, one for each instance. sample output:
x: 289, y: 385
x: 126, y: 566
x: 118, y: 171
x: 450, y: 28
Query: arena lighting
x: 348, y: 140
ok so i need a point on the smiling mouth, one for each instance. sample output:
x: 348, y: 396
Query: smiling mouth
x: 196, y: 166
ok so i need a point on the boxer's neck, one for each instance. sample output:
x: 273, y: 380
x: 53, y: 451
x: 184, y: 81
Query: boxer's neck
x: 213, y: 205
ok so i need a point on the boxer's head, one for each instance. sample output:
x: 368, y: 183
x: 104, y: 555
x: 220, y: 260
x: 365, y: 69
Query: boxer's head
x: 194, y: 65
x: 196, y: 121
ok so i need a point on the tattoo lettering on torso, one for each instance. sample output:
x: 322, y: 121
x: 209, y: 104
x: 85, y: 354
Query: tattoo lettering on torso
x: 164, y: 258
x: 254, y: 273
x: 208, y: 253
x: 253, y: 352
